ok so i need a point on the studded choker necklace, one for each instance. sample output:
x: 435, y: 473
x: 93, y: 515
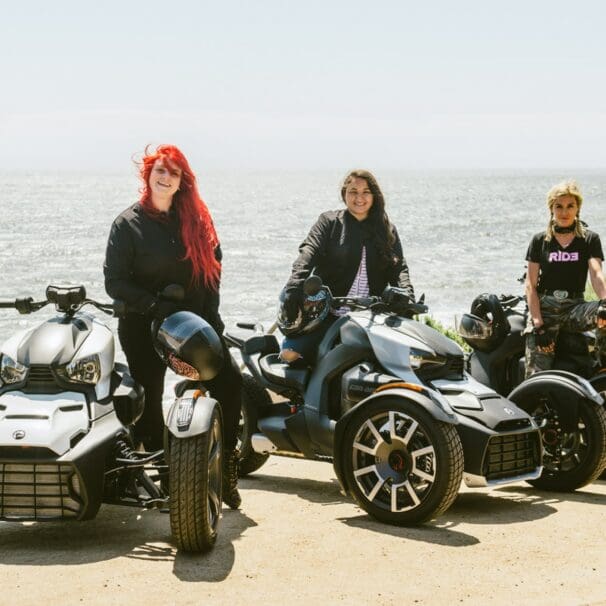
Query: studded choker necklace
x: 563, y: 230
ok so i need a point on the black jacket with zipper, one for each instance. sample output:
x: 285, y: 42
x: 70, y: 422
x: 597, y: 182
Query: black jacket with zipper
x: 144, y: 255
x: 333, y: 249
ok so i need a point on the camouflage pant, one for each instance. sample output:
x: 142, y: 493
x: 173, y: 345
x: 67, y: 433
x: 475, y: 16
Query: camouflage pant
x: 572, y: 315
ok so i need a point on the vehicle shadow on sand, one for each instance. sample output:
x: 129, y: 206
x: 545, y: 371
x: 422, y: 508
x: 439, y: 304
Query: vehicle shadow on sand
x: 119, y: 532
x: 214, y: 566
x: 314, y: 491
x: 115, y: 532
x: 582, y: 495
x: 475, y: 508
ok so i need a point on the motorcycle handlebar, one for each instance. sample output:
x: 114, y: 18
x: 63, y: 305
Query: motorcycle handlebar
x: 24, y: 305
x: 401, y: 308
x: 417, y: 308
x: 27, y: 305
x: 108, y: 308
x: 510, y: 301
x: 355, y: 301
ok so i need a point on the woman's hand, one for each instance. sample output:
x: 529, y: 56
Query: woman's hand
x: 291, y: 305
x: 162, y: 309
x: 544, y: 340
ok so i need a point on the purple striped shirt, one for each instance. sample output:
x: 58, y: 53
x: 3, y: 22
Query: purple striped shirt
x: 359, y: 287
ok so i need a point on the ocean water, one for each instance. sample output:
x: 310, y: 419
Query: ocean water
x: 462, y: 233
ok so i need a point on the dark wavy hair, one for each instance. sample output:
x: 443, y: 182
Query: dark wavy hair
x: 381, y: 227
x: 197, y: 230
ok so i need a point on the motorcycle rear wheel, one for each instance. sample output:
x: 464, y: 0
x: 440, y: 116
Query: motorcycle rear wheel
x: 254, y: 397
x: 401, y: 465
x: 196, y: 472
x: 578, y: 457
x: 600, y: 386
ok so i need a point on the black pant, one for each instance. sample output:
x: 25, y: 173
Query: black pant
x: 148, y: 370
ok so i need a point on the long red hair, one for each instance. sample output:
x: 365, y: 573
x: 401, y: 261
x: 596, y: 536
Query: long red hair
x: 197, y: 230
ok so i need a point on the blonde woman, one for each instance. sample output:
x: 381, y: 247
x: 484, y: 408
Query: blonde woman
x: 559, y: 260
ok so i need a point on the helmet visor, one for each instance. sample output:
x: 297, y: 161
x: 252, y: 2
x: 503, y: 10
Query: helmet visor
x: 472, y: 327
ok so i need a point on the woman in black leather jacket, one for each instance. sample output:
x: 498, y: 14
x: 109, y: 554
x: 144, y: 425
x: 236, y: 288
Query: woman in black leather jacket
x: 168, y: 237
x: 356, y: 251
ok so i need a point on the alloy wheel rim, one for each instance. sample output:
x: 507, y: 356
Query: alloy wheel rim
x: 562, y: 451
x: 215, y: 448
x: 394, y: 461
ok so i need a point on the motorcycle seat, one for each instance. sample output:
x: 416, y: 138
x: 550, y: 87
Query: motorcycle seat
x: 517, y: 323
x: 263, y: 344
x: 276, y: 371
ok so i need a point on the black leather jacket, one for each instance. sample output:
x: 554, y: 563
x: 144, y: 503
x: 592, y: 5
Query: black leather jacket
x: 333, y: 248
x: 144, y: 255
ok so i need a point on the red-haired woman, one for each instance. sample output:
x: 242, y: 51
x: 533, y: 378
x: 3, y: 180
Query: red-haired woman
x: 168, y: 237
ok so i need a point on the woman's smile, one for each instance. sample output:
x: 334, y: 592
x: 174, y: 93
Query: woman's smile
x: 164, y: 180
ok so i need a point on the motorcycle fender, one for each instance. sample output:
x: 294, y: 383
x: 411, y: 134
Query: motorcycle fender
x: 439, y: 410
x: 190, y: 414
x: 562, y: 379
x: 565, y: 390
x: 598, y: 381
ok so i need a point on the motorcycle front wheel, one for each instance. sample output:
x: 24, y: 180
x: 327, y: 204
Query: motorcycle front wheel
x: 196, y: 472
x: 401, y: 465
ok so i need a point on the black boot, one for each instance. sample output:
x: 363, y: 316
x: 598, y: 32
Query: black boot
x: 231, y: 496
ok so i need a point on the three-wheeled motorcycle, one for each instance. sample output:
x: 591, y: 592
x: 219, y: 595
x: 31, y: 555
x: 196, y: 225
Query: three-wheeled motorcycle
x: 390, y: 404
x: 568, y: 407
x: 67, y: 410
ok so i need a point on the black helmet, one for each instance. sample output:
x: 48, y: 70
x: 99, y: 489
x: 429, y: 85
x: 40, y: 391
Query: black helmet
x: 486, y: 326
x: 314, y: 310
x: 189, y: 346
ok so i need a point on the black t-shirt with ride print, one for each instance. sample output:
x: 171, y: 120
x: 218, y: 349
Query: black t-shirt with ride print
x: 564, y: 268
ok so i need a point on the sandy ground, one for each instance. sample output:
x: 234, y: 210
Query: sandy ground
x: 298, y: 540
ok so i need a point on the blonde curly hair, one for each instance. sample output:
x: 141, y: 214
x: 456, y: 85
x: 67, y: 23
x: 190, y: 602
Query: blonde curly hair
x: 565, y: 188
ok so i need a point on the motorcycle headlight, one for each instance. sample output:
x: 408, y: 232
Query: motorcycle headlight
x: 420, y: 357
x: 84, y: 370
x: 12, y: 371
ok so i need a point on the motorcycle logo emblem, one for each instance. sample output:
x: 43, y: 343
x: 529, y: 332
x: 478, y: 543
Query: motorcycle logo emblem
x: 509, y: 411
x: 19, y: 434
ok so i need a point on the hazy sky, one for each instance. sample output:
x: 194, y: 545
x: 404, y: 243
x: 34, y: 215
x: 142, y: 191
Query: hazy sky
x: 314, y: 84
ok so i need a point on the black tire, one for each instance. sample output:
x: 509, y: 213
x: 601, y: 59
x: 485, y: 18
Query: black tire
x: 575, y: 459
x: 196, y: 473
x: 385, y: 445
x: 600, y: 386
x: 254, y: 397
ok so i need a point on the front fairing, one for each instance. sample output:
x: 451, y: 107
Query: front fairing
x: 53, y: 344
x: 399, y: 344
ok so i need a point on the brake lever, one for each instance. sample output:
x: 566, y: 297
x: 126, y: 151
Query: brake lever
x: 106, y: 308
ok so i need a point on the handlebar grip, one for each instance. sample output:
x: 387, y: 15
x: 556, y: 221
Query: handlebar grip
x: 246, y: 325
x: 7, y: 304
x: 25, y: 305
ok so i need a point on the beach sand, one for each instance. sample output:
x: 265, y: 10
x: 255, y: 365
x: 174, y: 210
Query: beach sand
x: 297, y: 540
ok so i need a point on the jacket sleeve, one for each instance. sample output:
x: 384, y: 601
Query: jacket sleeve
x: 119, y: 261
x: 211, y: 302
x: 399, y: 275
x: 310, y: 250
